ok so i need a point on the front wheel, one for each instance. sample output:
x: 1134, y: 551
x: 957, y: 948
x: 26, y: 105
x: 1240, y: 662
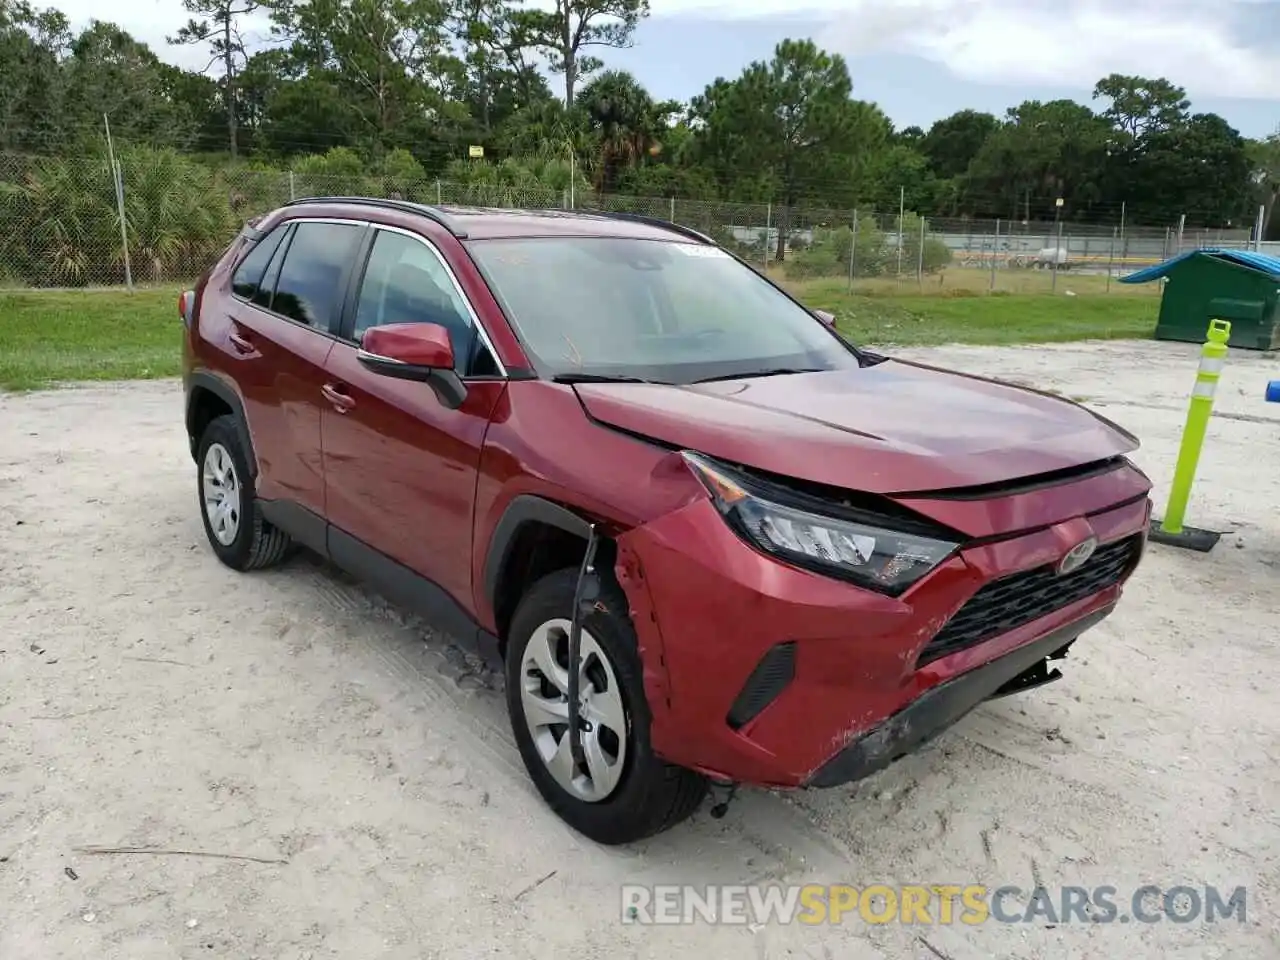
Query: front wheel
x: 620, y: 792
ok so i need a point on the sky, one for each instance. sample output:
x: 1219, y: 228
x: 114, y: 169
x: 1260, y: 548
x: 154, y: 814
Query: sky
x: 921, y: 60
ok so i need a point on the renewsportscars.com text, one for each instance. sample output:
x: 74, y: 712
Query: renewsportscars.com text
x: 929, y: 904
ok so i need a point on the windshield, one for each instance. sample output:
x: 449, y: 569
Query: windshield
x: 650, y: 309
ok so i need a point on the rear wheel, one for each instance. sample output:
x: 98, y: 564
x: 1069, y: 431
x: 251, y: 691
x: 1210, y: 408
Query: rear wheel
x: 233, y: 521
x: 621, y: 791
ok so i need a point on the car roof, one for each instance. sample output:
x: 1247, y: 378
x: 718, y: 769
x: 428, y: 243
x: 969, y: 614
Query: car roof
x: 484, y: 223
x: 491, y: 223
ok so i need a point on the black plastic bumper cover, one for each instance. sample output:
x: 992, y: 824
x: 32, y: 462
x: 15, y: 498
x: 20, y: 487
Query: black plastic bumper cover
x: 939, y: 708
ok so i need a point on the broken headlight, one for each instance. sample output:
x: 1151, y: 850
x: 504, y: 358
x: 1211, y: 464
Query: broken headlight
x: 868, y: 552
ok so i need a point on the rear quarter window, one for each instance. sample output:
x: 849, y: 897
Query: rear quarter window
x: 248, y: 276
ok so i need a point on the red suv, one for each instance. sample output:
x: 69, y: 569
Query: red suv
x: 712, y: 541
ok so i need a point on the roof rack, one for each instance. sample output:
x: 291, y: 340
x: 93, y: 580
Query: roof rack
x: 406, y: 206
x: 659, y: 222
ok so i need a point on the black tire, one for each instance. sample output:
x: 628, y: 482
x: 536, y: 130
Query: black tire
x: 652, y: 795
x: 257, y: 543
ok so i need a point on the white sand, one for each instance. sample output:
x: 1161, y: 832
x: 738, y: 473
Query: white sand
x: 150, y: 697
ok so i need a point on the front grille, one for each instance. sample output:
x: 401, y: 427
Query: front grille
x: 1014, y: 601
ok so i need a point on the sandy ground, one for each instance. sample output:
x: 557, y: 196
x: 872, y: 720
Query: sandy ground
x: 150, y: 697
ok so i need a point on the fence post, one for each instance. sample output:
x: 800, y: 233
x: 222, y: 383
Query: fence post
x: 117, y: 181
x: 124, y: 230
x: 995, y: 252
x: 920, y: 254
x: 673, y: 209
x: 853, y: 248
x: 292, y: 194
x: 437, y: 192
x: 768, y: 232
x: 1124, y: 246
x: 902, y: 212
x: 1111, y: 258
x: 1057, y: 252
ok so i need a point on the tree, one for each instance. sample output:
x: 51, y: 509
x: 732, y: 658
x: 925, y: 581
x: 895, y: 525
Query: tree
x: 386, y: 64
x: 900, y: 174
x: 790, y: 120
x: 498, y: 77
x: 953, y: 142
x: 909, y: 137
x: 1264, y: 160
x: 578, y: 24
x: 1196, y: 168
x: 199, y: 99
x: 1041, y: 152
x: 547, y: 128
x: 627, y: 123
x: 219, y: 29
x: 31, y: 45
x: 1139, y: 106
x: 111, y: 73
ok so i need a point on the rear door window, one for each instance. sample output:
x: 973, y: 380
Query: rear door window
x: 313, y: 276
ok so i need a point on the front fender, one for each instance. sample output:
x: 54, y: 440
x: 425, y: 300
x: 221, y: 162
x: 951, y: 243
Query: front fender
x: 630, y: 573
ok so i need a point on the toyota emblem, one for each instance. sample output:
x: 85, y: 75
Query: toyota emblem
x: 1077, y: 556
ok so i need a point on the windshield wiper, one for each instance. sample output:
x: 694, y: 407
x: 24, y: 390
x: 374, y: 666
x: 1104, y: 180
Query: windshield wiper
x: 602, y: 378
x: 772, y: 372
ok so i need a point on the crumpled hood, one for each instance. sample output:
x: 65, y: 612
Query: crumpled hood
x: 894, y: 427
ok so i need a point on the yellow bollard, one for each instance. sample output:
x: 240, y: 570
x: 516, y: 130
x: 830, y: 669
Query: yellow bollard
x: 1171, y: 530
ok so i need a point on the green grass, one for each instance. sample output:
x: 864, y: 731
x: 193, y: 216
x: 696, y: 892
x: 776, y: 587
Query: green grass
x: 912, y: 319
x: 52, y: 337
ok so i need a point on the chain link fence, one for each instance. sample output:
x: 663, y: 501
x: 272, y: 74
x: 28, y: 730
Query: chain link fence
x: 61, y: 225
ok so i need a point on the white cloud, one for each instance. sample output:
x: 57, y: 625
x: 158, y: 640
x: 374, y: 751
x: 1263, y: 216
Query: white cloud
x: 1065, y: 42
x: 152, y: 21
x: 1061, y: 42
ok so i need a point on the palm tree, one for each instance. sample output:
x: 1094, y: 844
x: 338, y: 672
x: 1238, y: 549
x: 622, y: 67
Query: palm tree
x: 626, y: 121
x: 68, y: 224
x: 178, y: 221
x: 65, y: 228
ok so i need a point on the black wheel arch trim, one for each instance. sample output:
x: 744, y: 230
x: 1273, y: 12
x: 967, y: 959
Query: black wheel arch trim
x: 204, y: 380
x: 523, y: 509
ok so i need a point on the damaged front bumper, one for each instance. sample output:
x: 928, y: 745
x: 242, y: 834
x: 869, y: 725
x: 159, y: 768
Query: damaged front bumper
x: 762, y: 673
x: 943, y: 705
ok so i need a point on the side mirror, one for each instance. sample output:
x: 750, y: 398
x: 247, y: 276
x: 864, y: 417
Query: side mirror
x: 826, y: 317
x: 414, y: 351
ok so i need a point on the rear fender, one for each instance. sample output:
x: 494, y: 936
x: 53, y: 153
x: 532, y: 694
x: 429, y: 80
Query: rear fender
x: 203, y: 380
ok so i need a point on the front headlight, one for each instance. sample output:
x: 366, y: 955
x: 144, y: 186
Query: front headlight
x: 867, y: 553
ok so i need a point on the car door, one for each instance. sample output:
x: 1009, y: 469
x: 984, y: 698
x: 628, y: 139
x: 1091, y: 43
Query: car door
x: 281, y: 330
x: 401, y: 468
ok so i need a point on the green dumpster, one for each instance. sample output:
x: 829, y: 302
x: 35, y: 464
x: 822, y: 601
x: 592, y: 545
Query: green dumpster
x: 1236, y: 285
